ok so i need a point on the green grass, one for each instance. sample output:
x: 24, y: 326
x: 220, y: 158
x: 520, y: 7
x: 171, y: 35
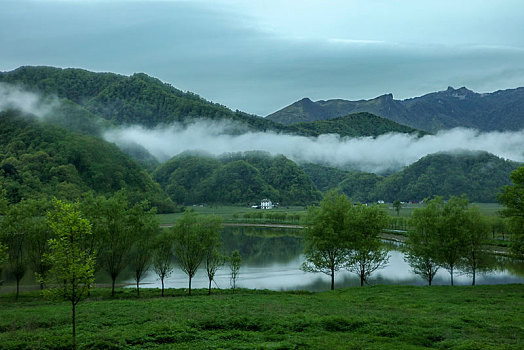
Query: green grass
x: 378, y: 317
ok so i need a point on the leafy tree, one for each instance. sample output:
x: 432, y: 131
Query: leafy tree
x: 163, y: 256
x: 114, y: 238
x: 327, y: 237
x: 397, y: 205
x: 235, y: 260
x: 191, y: 236
x: 213, y: 260
x: 512, y: 198
x: 72, y: 271
x: 143, y: 226
x: 367, y: 253
x: 422, y: 241
x: 475, y: 257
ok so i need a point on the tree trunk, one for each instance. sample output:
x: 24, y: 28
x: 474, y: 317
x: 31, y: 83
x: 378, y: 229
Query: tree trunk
x: 17, y: 287
x: 162, y: 279
x: 474, y: 273
x: 137, y: 288
x: 113, y: 280
x: 332, y: 279
x: 451, y: 273
x: 74, y: 324
x: 209, y: 289
x: 189, y: 285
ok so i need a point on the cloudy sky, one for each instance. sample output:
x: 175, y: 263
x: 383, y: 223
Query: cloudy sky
x: 261, y: 55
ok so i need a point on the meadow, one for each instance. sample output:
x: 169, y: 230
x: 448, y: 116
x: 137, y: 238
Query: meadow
x: 377, y: 317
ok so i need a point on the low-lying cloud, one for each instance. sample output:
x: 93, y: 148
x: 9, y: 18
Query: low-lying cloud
x: 14, y: 97
x: 384, y: 153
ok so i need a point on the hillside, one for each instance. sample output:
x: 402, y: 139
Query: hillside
x: 479, y: 175
x: 125, y: 100
x: 39, y: 160
x: 355, y: 125
x: 240, y: 178
x: 500, y: 110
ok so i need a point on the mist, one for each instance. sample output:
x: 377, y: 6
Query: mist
x: 389, y: 152
x: 14, y: 97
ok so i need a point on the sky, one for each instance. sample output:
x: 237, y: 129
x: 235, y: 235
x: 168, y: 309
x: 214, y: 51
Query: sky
x: 259, y: 56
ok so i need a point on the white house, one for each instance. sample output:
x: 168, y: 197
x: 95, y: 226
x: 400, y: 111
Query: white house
x: 266, y: 204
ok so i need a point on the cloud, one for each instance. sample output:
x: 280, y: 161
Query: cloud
x: 384, y: 153
x: 14, y: 97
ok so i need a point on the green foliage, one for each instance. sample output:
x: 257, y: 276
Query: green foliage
x: 512, y: 198
x: 39, y: 161
x: 4, y: 255
x: 72, y: 266
x: 327, y: 238
x: 478, y: 175
x: 163, y: 256
x: 367, y: 253
x: 193, y: 238
x: 238, y: 178
x: 235, y: 260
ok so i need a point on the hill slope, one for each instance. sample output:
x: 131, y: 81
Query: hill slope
x: 39, y: 160
x: 240, y: 178
x: 500, y: 110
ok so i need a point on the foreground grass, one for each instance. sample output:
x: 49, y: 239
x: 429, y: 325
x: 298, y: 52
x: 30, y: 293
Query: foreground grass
x: 379, y: 317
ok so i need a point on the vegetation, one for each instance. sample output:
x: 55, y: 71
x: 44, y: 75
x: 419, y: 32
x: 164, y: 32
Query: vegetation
x: 72, y: 266
x: 235, y: 260
x: 240, y: 178
x: 378, y: 317
x: 39, y: 161
x: 513, y: 198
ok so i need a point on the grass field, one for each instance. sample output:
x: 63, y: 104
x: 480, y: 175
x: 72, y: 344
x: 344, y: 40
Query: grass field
x: 378, y: 317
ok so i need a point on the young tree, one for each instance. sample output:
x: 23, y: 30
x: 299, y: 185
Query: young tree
x: 72, y: 267
x: 475, y: 257
x: 143, y: 225
x: 163, y: 256
x: 235, y: 260
x: 327, y: 237
x: 397, y: 205
x: 113, y: 236
x: 191, y: 237
x: 453, y: 233
x: 213, y: 259
x: 367, y: 253
x: 14, y: 236
x: 422, y: 241
x: 512, y: 198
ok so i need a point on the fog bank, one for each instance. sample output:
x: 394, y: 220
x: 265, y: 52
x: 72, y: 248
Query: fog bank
x: 384, y: 153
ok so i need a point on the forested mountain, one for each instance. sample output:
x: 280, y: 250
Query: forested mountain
x: 479, y: 175
x: 355, y: 125
x: 500, y: 110
x: 239, y: 178
x: 39, y: 160
x: 122, y: 100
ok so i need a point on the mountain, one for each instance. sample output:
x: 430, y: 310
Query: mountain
x: 479, y: 175
x: 128, y: 100
x: 500, y: 110
x: 238, y: 178
x: 40, y: 160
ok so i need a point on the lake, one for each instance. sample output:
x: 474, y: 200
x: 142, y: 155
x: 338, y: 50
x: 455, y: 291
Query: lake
x: 272, y: 260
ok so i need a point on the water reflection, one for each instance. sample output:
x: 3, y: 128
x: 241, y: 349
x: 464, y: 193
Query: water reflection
x: 272, y: 260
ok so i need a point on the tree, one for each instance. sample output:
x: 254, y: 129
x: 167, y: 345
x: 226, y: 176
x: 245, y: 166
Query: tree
x: 14, y: 236
x: 475, y: 257
x: 190, y: 235
x: 327, y: 236
x: 163, y: 256
x: 72, y: 267
x: 512, y: 197
x: 143, y: 226
x: 452, y: 233
x: 397, y: 205
x: 114, y: 239
x: 422, y: 241
x: 3, y: 258
x: 235, y: 260
x: 213, y: 258
x: 366, y: 252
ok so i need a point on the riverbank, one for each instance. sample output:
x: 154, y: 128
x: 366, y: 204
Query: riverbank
x: 378, y: 317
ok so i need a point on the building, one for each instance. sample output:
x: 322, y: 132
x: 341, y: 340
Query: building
x: 266, y: 204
